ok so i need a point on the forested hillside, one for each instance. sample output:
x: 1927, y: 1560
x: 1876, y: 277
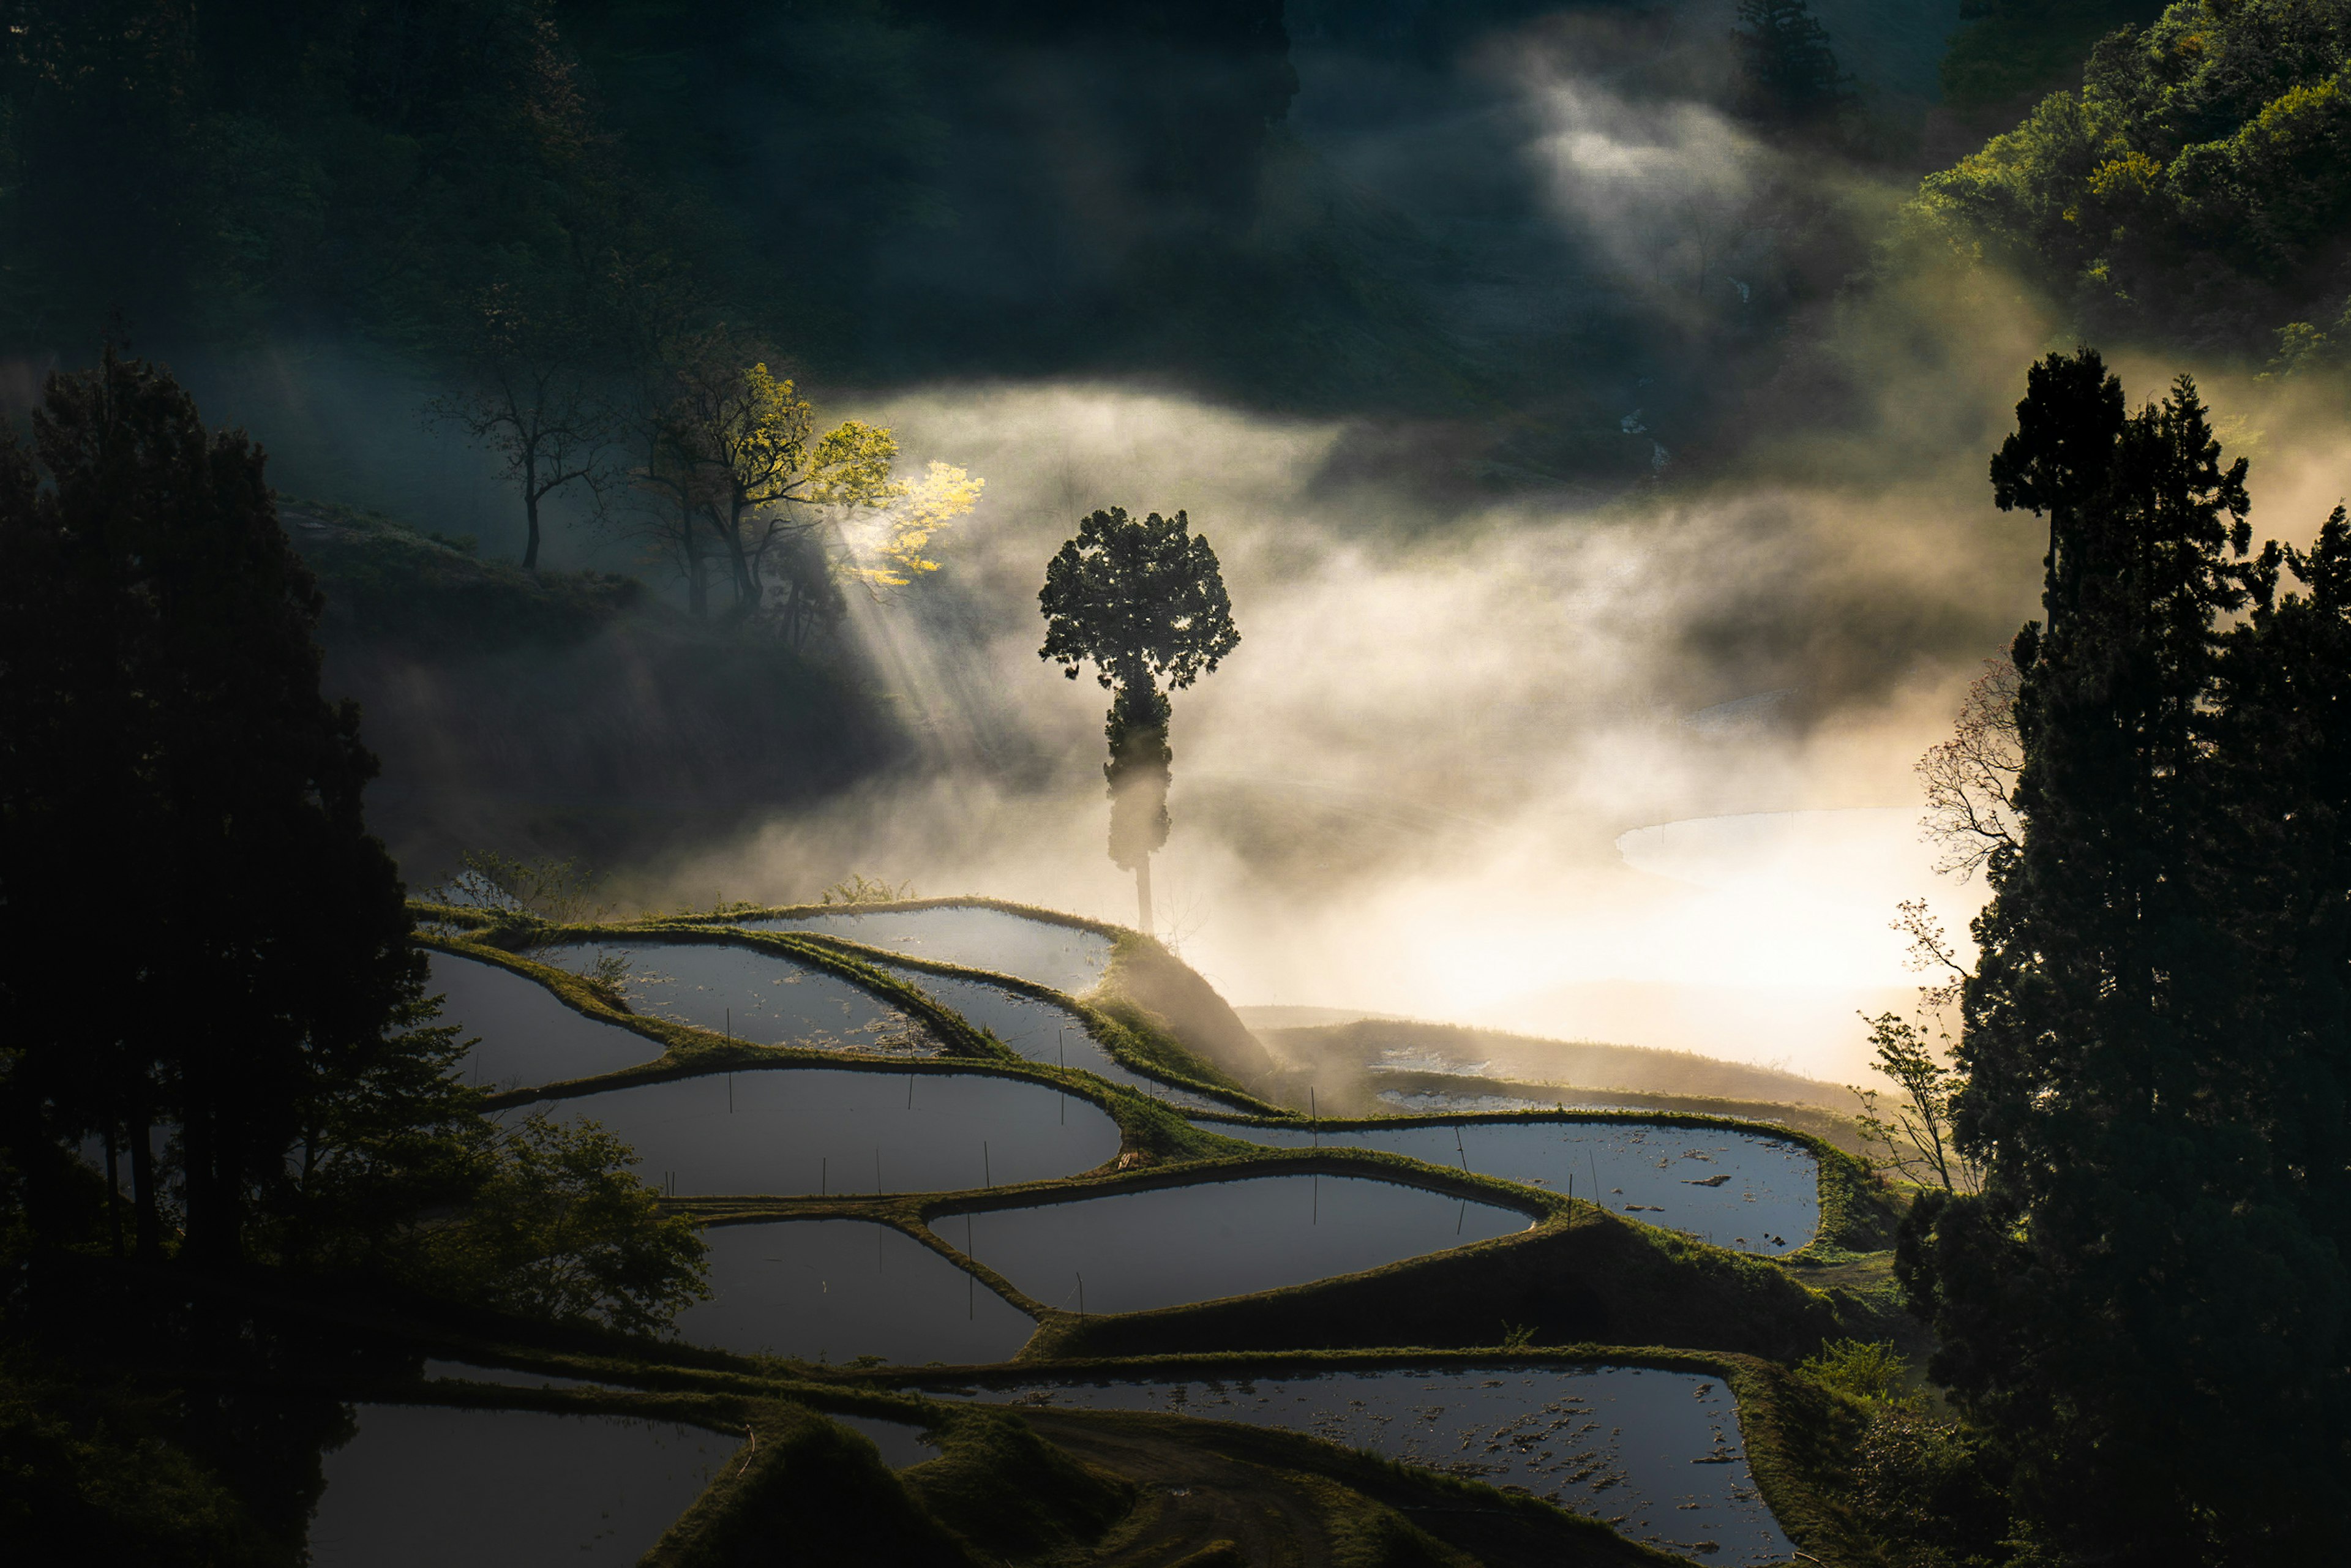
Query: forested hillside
x: 2194, y: 191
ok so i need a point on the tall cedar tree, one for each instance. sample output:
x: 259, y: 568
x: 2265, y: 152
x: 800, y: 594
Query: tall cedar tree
x: 2147, y: 1302
x: 198, y: 931
x: 1788, y: 73
x: 1142, y: 602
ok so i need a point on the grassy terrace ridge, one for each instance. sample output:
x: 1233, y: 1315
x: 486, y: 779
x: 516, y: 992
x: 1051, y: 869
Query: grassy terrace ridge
x: 1579, y: 1273
x: 1588, y: 1285
x: 1788, y: 1429
x: 1857, y: 1214
x: 1181, y: 1027
x: 1130, y: 1033
x: 1841, y: 1131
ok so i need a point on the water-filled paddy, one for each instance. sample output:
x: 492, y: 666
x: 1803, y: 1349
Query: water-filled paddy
x: 833, y: 1290
x: 753, y: 995
x: 901, y: 1442
x: 794, y: 1130
x: 1741, y: 1190
x: 1657, y: 1454
x: 1043, y: 1032
x: 506, y: 1489
x: 1170, y: 1246
x: 1041, y: 952
x: 527, y: 1036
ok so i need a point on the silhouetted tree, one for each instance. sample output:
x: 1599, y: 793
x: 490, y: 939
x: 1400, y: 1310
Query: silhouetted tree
x: 2147, y: 1303
x: 533, y: 395
x: 1142, y: 602
x: 171, y: 779
x: 1788, y: 73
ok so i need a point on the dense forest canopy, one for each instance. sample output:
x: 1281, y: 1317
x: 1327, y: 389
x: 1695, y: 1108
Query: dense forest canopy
x: 2194, y: 189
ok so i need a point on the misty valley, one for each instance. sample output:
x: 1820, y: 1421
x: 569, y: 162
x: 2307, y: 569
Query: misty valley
x: 1174, y: 783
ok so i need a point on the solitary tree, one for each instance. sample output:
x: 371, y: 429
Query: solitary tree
x: 1144, y: 603
x: 533, y: 396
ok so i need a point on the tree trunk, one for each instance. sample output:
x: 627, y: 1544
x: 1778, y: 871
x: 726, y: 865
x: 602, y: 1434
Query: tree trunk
x: 698, y: 585
x: 114, y: 1188
x: 531, y: 516
x: 1143, y: 892
x: 146, y: 1231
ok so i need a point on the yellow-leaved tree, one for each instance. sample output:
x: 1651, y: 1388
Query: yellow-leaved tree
x: 891, y: 547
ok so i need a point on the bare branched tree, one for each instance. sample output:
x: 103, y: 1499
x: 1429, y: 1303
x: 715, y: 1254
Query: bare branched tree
x: 1970, y: 778
x: 534, y: 396
x: 1914, y: 1139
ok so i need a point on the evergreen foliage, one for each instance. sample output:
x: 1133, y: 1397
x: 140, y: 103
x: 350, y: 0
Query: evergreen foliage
x: 2147, y: 1303
x: 254, y: 1031
x: 1142, y: 602
x: 165, y: 740
x: 1788, y: 73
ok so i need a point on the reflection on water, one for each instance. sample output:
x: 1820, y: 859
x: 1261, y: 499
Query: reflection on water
x: 506, y: 1489
x: 1655, y: 1454
x: 1041, y: 952
x: 752, y: 995
x: 528, y: 1035
x: 1043, y: 1031
x: 792, y: 1130
x: 1170, y: 1246
x: 1742, y: 1190
x: 833, y: 1290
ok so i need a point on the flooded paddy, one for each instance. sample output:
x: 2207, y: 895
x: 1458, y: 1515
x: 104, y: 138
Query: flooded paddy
x: 1172, y: 1246
x: 834, y: 1290
x: 528, y: 1035
x: 901, y: 1442
x: 1043, y: 1032
x: 788, y: 1131
x: 506, y: 1489
x: 752, y: 995
x: 1657, y: 1455
x: 1041, y: 952
x: 1742, y: 1190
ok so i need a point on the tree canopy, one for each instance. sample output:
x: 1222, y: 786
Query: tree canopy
x: 1144, y: 603
x: 2148, y: 1303
x: 2196, y: 187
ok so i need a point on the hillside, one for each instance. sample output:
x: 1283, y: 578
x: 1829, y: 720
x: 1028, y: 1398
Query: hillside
x: 565, y: 713
x: 2195, y: 190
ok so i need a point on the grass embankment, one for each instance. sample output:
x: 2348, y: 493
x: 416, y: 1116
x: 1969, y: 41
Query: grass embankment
x: 1795, y: 1434
x: 1581, y: 1276
x: 1150, y: 1011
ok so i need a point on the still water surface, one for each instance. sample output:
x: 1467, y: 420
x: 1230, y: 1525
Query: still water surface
x: 752, y: 995
x: 833, y: 1290
x: 901, y: 1442
x: 1039, y: 951
x: 506, y: 1489
x: 1742, y: 1190
x: 528, y: 1035
x: 1655, y: 1454
x: 1170, y: 1246
x: 1043, y: 1032
x: 786, y: 1130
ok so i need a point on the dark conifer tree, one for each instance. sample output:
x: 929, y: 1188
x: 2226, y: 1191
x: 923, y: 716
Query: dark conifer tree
x: 1788, y: 73
x: 181, y: 810
x: 2140, y: 1303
